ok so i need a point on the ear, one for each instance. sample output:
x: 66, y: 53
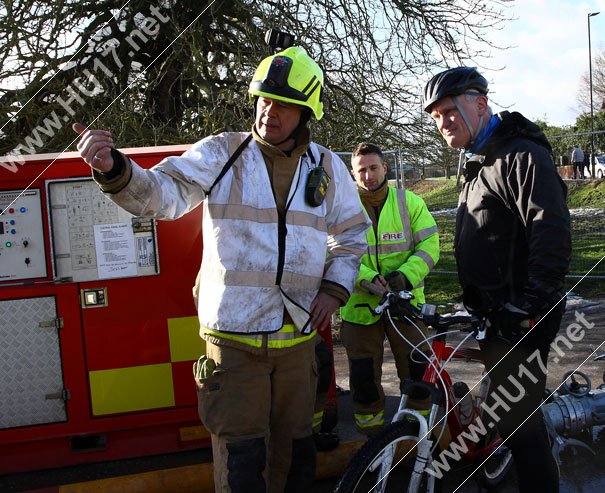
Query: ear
x: 481, y: 102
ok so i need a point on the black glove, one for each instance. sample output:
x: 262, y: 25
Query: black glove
x: 397, y: 281
x: 540, y: 296
x: 512, y: 321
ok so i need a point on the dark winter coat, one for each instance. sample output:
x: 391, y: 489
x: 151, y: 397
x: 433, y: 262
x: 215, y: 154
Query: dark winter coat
x: 513, y: 240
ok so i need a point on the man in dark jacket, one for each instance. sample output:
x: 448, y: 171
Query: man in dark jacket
x: 512, y: 246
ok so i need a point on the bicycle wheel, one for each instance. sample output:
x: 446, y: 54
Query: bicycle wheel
x: 383, y: 464
x: 496, y: 467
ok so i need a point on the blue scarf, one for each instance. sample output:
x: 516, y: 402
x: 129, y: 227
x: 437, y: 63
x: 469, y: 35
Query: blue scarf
x: 484, y: 136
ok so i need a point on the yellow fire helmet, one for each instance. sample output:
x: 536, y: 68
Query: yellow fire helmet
x: 291, y: 76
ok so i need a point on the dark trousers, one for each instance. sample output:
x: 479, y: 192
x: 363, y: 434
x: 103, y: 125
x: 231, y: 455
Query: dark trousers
x: 517, y: 388
x: 259, y: 410
x: 365, y: 350
x: 578, y: 169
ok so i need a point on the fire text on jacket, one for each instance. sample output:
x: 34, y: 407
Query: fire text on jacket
x: 392, y: 236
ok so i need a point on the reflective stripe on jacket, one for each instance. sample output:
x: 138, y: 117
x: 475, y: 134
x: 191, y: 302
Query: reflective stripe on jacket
x: 287, y: 336
x: 406, y: 239
x: 255, y: 263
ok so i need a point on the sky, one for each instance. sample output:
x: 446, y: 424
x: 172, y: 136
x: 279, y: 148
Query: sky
x: 542, y: 71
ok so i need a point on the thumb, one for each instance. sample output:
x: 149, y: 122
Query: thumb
x: 79, y: 128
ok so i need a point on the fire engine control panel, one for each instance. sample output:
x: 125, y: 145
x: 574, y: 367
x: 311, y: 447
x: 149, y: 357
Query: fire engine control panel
x: 93, y: 238
x: 22, y: 253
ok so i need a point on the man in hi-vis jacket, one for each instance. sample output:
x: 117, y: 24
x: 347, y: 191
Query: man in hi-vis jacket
x: 283, y: 231
x: 403, y: 247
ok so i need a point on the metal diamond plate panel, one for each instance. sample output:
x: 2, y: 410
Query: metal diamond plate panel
x: 30, y: 363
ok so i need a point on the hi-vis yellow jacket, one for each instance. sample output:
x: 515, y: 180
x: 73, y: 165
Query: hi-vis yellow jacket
x: 406, y: 240
x: 254, y: 262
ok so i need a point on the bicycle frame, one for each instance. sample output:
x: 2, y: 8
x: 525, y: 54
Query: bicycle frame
x: 377, y: 456
x: 441, y: 352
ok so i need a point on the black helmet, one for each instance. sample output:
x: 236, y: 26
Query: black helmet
x: 451, y: 83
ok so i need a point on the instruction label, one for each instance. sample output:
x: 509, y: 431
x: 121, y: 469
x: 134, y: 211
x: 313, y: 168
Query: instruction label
x: 114, y: 245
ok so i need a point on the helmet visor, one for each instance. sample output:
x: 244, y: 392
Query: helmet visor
x: 276, y: 82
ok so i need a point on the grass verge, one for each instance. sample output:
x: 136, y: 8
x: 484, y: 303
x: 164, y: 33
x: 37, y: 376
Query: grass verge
x: 443, y: 194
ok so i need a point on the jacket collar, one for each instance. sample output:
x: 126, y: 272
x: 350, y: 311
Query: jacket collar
x: 374, y: 198
x: 512, y: 125
x: 302, y: 141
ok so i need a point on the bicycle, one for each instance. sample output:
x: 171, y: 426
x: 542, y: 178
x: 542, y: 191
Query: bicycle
x: 404, y: 452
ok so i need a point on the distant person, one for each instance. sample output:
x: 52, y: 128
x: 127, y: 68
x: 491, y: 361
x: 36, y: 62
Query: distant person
x: 587, y: 171
x: 403, y: 247
x: 512, y: 247
x: 577, y: 162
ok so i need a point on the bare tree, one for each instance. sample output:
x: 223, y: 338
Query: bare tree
x: 174, y: 70
x: 598, y: 86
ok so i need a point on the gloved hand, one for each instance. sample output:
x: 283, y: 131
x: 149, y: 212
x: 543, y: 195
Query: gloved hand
x: 397, y: 281
x: 512, y: 321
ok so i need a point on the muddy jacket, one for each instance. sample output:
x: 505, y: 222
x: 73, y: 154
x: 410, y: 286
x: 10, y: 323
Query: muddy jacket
x: 255, y: 263
x: 513, y: 238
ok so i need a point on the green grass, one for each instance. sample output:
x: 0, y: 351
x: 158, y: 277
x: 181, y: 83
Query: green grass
x: 442, y: 289
x: 446, y: 226
x: 589, y: 193
x: 442, y: 194
x: 587, y: 288
x: 438, y: 194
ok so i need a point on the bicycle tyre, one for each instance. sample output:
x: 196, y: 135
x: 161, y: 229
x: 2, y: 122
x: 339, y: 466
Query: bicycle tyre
x: 358, y: 478
x: 493, y: 471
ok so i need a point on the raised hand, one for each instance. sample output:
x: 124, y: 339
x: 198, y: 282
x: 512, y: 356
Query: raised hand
x: 95, y: 147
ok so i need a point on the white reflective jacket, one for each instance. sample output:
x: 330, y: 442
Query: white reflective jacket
x: 253, y: 264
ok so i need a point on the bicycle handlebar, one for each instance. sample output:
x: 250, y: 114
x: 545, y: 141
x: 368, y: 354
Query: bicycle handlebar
x: 399, y: 302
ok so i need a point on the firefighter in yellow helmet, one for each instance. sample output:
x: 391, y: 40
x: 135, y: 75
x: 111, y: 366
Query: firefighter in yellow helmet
x: 292, y: 77
x: 283, y: 231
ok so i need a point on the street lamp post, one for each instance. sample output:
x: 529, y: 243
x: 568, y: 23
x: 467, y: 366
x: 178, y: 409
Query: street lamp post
x: 592, y: 161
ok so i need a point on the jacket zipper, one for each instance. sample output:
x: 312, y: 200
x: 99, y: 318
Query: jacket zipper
x: 376, y: 213
x: 282, y: 231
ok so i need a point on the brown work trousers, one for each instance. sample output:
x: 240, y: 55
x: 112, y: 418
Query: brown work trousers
x: 365, y: 350
x: 253, y: 401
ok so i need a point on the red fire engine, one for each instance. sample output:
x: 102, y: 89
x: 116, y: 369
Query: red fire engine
x: 98, y: 328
